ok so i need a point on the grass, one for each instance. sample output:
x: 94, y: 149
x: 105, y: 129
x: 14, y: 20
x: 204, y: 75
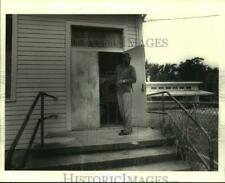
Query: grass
x: 207, y: 118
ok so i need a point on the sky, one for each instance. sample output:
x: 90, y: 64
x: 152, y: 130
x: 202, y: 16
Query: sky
x: 184, y: 39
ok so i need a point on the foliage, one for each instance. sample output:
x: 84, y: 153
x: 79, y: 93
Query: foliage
x: 167, y: 72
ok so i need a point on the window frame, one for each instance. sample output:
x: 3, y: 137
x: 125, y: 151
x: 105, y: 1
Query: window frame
x: 12, y: 97
x: 69, y: 25
x: 98, y: 28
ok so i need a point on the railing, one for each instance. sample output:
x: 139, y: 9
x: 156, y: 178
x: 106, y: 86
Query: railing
x: 179, y: 105
x: 41, y: 96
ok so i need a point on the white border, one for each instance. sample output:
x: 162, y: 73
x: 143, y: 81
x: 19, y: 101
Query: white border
x: 119, y: 7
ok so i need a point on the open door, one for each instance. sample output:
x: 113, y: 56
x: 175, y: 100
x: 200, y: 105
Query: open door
x: 84, y: 90
x: 139, y: 99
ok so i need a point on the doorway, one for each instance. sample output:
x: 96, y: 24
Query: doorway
x: 109, y: 112
x: 94, y: 104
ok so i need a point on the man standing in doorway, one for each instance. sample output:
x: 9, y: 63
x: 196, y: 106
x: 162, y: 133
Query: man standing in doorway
x: 126, y: 76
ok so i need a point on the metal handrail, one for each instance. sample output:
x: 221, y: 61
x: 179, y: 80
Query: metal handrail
x: 24, y: 124
x: 211, y: 163
x: 190, y: 144
x: 33, y: 137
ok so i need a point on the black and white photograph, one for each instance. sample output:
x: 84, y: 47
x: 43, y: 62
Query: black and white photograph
x: 117, y: 92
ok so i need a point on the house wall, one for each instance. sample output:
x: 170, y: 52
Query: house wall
x: 41, y: 66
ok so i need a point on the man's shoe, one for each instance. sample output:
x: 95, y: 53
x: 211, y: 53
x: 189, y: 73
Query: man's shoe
x: 123, y: 132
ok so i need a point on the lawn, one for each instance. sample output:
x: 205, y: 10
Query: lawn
x: 207, y: 117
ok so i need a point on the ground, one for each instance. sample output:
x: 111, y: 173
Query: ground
x: 208, y: 119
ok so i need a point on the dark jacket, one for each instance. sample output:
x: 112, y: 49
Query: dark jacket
x: 128, y: 75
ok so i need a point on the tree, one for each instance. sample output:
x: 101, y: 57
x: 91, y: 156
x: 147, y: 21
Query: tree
x: 211, y: 81
x: 153, y: 70
x: 167, y: 72
x: 192, y: 70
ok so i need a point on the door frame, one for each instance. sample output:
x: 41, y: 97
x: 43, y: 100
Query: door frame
x: 68, y: 58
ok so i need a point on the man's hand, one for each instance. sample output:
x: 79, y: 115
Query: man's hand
x: 120, y: 81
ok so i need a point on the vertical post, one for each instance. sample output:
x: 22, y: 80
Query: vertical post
x: 42, y: 120
x: 163, y: 108
x: 195, y: 110
x: 211, y: 156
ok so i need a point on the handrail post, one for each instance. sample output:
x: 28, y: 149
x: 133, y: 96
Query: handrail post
x: 163, y: 108
x: 211, y: 157
x: 42, y: 120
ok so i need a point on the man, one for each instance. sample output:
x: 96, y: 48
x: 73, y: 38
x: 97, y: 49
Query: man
x: 125, y: 77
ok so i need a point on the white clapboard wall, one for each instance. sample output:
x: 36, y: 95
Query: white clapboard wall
x: 41, y: 66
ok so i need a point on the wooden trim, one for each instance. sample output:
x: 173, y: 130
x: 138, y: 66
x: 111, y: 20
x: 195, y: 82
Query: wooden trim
x: 68, y: 76
x: 99, y: 49
x: 68, y: 58
x: 125, y: 40
x: 14, y: 60
x: 139, y: 27
x: 123, y: 27
x: 95, y: 24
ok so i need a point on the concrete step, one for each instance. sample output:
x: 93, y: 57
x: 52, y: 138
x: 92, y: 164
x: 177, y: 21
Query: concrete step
x: 175, y: 165
x: 103, y: 160
x: 78, y: 142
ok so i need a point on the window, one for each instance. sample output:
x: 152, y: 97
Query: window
x: 175, y: 87
x: 181, y: 87
x: 84, y: 36
x: 168, y: 87
x: 153, y: 88
x: 161, y: 87
x: 8, y: 54
x: 188, y: 87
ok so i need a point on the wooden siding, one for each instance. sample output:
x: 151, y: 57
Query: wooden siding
x: 41, y: 66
